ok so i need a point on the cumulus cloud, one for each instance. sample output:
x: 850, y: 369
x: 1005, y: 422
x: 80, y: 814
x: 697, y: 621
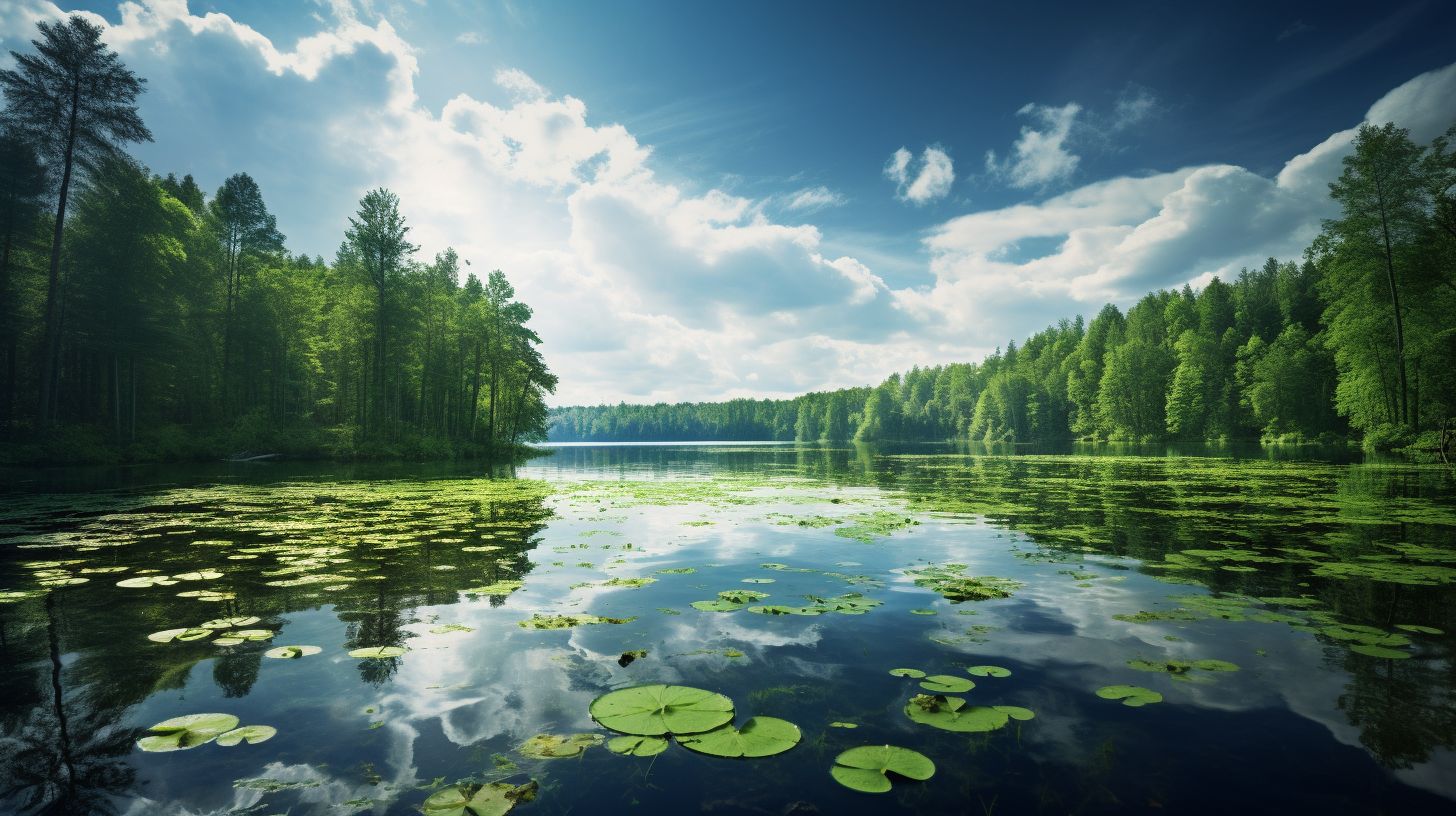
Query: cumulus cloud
x: 1040, y: 156
x: 931, y: 181
x: 1116, y: 239
x: 651, y: 287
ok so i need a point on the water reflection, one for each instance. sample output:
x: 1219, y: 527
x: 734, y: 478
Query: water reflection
x: 1304, y: 560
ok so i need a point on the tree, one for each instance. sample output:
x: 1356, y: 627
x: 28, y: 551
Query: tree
x: 22, y: 187
x: 247, y: 233
x: 76, y: 101
x: 376, y: 245
x: 1383, y: 199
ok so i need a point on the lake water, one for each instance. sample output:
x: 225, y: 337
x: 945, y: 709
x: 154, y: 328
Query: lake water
x: 1294, y: 615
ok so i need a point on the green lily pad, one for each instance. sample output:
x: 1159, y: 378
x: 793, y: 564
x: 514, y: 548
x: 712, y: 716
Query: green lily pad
x: 632, y: 583
x: 759, y: 737
x: 1017, y: 712
x: 655, y: 710
x: 923, y: 612
x: 1131, y: 696
x: 946, y: 684
x: 952, y: 714
x: 169, y: 635
x: 1379, y: 651
x: 251, y: 734
x: 378, y: 652
x: 493, y: 799
x: 914, y: 674
x: 758, y: 580
x: 988, y: 671
x: 677, y: 571
x: 292, y: 652
x: 1419, y: 629
x: 451, y: 627
x: 497, y: 589
x: 199, y: 575
x: 539, y: 621
x: 229, y: 623
x: 1215, y: 665
x: 637, y: 746
x: 189, y: 731
x: 838, y: 724
x: 144, y: 581
x: 555, y: 746
x: 775, y: 609
x: 867, y: 768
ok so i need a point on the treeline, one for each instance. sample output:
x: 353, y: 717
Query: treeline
x: 1358, y: 340
x: 141, y: 318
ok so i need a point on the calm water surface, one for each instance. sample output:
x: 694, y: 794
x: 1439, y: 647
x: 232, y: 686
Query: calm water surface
x: 1322, y: 590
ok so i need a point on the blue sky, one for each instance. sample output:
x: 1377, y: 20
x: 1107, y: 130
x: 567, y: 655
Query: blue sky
x: 760, y: 199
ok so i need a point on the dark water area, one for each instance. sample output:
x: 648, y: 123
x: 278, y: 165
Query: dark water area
x: 1292, y: 608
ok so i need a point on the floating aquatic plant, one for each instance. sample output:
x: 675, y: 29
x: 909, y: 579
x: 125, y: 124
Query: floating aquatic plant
x: 188, y: 731
x: 946, y: 684
x: 1131, y: 696
x: 169, y: 635
x: 911, y: 673
x: 292, y: 652
x: 539, y: 621
x: 377, y: 652
x: 952, y: 714
x: 492, y: 799
x: 637, y: 745
x: 656, y: 710
x: 555, y: 746
x: 759, y: 737
x: 868, y: 767
x: 988, y: 671
x: 251, y: 734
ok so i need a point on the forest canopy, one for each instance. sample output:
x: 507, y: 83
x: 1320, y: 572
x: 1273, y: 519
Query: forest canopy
x: 141, y: 318
x: 1354, y: 341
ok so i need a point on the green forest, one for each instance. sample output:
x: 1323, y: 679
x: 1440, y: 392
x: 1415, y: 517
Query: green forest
x: 141, y: 318
x: 1356, y: 341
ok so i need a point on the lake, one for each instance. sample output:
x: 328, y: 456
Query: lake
x: 1053, y: 633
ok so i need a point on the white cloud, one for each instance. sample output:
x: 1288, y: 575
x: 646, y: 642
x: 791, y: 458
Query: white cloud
x: 811, y: 199
x: 1040, y: 156
x: 932, y: 181
x: 647, y: 288
x: 471, y: 38
x: 520, y: 84
x: 1117, y: 239
x: 1133, y: 105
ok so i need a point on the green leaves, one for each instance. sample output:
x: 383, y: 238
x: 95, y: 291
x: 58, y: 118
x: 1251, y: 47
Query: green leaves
x: 539, y: 621
x: 988, y: 671
x: 553, y: 746
x: 378, y: 652
x: 186, y: 732
x: 952, y: 714
x: 637, y: 746
x: 251, y: 734
x: 292, y: 652
x: 1131, y: 696
x: 868, y: 767
x: 494, y: 799
x: 759, y: 737
x: 946, y: 683
x: 655, y: 710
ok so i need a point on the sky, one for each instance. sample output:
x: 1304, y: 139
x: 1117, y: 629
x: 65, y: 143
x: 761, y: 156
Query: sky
x: 763, y: 199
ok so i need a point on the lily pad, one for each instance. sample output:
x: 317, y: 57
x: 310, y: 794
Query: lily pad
x: 169, y: 635
x: 539, y: 621
x: 759, y: 737
x: 144, y: 581
x: 555, y: 746
x: 988, y: 671
x: 199, y: 575
x: 952, y: 714
x: 677, y: 571
x: 1419, y: 629
x: 637, y: 746
x: 1379, y: 651
x: 868, y: 767
x: 189, y: 731
x: 775, y: 609
x: 914, y: 674
x: 493, y: 799
x: 251, y: 734
x: 655, y: 710
x: 378, y: 652
x: 228, y: 623
x: 292, y: 652
x: 1131, y: 696
x: 946, y: 684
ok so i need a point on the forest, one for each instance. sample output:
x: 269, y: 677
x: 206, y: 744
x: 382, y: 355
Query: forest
x: 142, y: 319
x: 1354, y: 342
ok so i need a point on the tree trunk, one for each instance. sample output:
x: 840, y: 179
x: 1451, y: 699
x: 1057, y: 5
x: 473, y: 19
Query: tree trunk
x: 51, y: 344
x: 1395, y: 310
